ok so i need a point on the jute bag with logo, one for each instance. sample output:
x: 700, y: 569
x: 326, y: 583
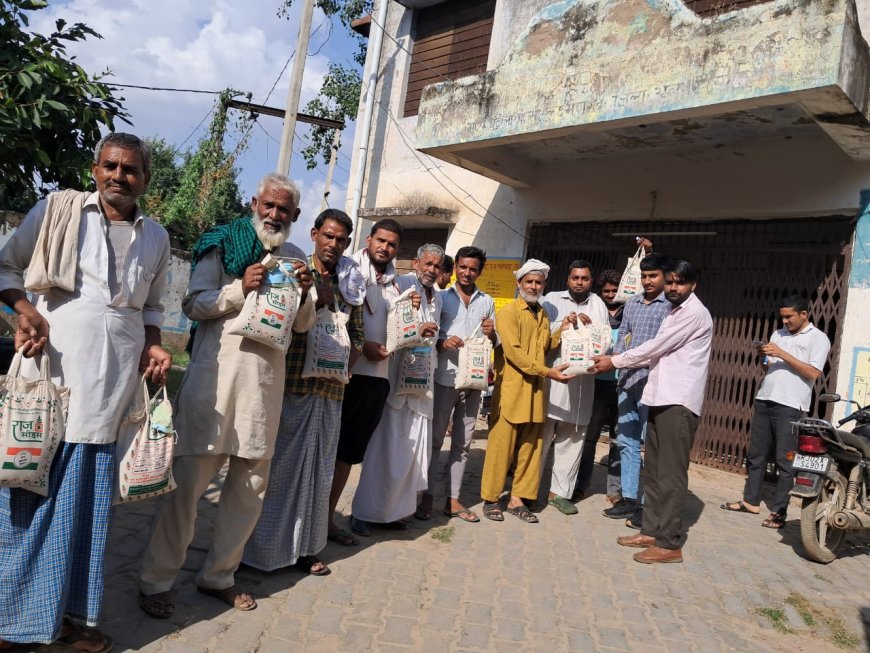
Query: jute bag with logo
x: 472, y: 370
x: 143, y: 454
x: 416, y: 367
x: 581, y: 344
x: 403, y: 323
x: 416, y: 373
x: 268, y: 313
x: 32, y: 421
x: 629, y: 285
x: 328, y: 346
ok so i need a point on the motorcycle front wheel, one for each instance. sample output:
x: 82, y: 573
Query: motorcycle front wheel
x: 820, y: 539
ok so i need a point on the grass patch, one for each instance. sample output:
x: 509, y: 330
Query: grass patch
x: 803, y: 607
x: 444, y: 534
x: 821, y: 621
x: 840, y: 635
x: 776, y: 618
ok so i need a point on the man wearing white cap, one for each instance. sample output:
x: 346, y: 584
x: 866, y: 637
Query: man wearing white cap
x: 520, y: 399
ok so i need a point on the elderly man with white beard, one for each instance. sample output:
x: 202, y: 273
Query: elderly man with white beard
x: 229, y: 401
x: 520, y: 397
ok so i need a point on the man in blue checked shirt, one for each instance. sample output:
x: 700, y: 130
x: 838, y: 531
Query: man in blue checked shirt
x: 464, y: 308
x: 641, y: 320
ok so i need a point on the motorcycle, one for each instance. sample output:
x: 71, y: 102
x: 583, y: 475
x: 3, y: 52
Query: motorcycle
x: 832, y: 477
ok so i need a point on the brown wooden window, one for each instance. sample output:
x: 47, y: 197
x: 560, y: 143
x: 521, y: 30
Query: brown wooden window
x: 714, y: 7
x: 451, y: 40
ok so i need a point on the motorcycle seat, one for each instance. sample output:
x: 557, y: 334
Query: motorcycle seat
x: 860, y: 443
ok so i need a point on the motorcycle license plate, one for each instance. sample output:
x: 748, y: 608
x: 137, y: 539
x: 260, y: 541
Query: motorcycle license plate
x: 811, y: 463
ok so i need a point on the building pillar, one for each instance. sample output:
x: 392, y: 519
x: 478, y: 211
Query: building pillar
x: 853, y: 373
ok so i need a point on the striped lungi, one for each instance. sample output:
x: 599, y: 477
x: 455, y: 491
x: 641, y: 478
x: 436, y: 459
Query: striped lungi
x: 295, y: 516
x: 51, y: 548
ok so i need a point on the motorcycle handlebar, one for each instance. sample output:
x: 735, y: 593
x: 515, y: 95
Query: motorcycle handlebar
x: 848, y: 418
x: 858, y: 413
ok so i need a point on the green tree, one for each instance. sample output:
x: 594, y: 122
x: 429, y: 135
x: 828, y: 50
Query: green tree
x: 166, y: 163
x: 51, y: 109
x: 338, y: 98
x: 191, y: 191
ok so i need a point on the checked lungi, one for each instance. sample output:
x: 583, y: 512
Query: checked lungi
x: 295, y: 517
x: 51, y: 548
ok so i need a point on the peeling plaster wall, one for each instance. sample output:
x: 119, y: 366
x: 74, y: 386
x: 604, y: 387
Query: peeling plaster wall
x: 581, y: 62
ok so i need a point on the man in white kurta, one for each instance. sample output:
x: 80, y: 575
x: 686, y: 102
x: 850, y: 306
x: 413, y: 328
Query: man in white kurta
x: 99, y: 293
x: 570, y: 404
x: 228, y: 409
x: 397, y: 458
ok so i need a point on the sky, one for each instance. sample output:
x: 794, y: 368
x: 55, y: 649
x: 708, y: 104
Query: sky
x: 211, y: 45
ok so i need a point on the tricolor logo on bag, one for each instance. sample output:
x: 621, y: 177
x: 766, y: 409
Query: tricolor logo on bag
x: 272, y: 318
x: 22, y: 458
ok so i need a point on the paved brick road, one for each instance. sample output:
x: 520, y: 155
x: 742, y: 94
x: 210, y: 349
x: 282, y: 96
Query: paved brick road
x: 559, y: 585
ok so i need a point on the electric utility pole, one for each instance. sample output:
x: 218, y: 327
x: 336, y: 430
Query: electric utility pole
x: 286, y: 150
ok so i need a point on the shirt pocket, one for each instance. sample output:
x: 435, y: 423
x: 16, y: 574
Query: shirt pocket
x: 138, y: 286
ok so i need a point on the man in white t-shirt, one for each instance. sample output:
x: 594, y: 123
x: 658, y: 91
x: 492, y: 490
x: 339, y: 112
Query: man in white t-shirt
x: 793, y: 360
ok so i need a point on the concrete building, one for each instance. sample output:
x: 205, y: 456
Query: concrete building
x: 733, y: 133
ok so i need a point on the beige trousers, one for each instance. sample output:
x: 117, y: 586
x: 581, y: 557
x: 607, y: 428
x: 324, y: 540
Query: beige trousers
x: 567, y: 441
x: 239, y: 506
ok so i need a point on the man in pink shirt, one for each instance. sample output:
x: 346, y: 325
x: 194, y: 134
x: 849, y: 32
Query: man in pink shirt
x: 678, y: 359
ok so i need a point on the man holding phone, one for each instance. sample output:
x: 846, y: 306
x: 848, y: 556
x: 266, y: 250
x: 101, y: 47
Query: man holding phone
x: 793, y: 360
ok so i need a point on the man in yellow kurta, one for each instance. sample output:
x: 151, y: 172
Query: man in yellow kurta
x: 519, y: 400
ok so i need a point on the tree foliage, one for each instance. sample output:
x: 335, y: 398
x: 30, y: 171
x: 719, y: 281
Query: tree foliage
x: 51, y: 109
x: 191, y: 191
x: 339, y: 94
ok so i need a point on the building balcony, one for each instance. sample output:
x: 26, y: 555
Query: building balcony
x: 593, y: 78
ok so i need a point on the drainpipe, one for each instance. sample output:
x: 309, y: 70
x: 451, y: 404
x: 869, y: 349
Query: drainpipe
x: 377, y: 36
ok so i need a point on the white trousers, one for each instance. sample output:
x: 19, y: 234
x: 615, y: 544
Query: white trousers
x: 239, y: 507
x: 567, y: 441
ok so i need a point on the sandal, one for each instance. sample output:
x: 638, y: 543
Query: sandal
x: 464, y: 515
x: 774, y: 520
x: 737, y: 506
x: 522, y: 512
x: 231, y: 596
x: 308, y: 563
x: 493, y: 512
x: 563, y: 505
x: 159, y: 606
x: 343, y: 538
x: 78, y: 635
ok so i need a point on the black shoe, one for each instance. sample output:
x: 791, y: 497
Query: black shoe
x: 636, y: 520
x: 622, y: 509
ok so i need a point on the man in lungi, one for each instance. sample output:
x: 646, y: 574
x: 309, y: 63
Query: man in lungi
x: 229, y: 401
x: 366, y: 394
x: 397, y: 458
x: 520, y: 399
x: 293, y: 525
x: 97, y: 268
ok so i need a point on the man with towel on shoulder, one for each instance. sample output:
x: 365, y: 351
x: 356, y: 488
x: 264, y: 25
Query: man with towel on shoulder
x: 96, y: 267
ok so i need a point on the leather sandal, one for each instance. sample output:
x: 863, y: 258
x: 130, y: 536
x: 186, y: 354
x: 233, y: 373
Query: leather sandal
x: 159, y: 606
x: 493, y: 511
x: 523, y: 513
